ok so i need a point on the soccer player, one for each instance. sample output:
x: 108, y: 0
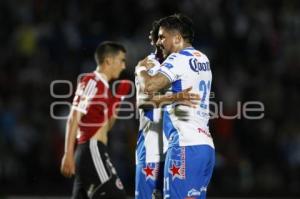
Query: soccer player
x: 152, y: 143
x: 190, y: 156
x: 91, y: 117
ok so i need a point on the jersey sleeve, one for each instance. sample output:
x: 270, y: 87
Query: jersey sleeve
x: 119, y: 94
x: 171, y: 67
x: 123, y: 89
x: 85, y: 92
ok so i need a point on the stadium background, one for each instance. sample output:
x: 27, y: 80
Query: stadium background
x: 254, y: 49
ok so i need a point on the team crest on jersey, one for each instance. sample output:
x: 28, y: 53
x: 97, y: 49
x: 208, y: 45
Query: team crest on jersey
x: 119, y: 184
x: 177, y: 167
x: 150, y: 171
x: 197, y: 54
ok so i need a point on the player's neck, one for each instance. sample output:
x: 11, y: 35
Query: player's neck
x: 186, y: 45
x: 183, y: 46
x: 103, y: 73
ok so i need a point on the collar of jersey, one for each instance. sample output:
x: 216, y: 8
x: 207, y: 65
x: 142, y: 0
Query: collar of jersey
x: 186, y: 50
x: 102, y: 78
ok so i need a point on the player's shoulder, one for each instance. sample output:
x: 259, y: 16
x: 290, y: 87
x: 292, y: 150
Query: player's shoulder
x: 93, y: 78
x: 200, y: 55
x: 172, y: 60
x: 183, y: 54
x: 85, y: 77
x: 191, y: 52
x: 173, y: 57
x: 98, y: 77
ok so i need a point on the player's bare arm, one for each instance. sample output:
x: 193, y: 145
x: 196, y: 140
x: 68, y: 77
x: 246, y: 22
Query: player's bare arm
x: 68, y: 162
x: 151, y: 84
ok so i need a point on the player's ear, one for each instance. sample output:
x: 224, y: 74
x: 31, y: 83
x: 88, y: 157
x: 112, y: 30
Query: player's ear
x: 108, y: 60
x: 178, y: 39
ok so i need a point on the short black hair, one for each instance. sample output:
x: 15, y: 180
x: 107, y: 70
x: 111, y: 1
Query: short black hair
x: 181, y: 23
x: 107, y: 48
x: 154, y: 31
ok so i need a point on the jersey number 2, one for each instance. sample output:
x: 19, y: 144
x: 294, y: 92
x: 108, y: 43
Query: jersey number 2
x: 204, y: 90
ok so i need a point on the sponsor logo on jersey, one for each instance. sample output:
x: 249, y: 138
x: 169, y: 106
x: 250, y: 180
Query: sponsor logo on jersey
x: 200, y: 130
x: 194, y: 192
x: 198, y: 66
x: 203, y: 189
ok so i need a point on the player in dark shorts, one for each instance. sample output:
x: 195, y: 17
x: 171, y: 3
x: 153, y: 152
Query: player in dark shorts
x: 91, y: 117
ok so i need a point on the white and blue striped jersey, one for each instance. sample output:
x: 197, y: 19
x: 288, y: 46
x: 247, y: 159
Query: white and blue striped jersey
x: 183, y: 125
x: 151, y: 142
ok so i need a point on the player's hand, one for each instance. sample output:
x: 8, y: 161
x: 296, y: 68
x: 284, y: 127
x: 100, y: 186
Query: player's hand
x: 148, y: 63
x: 67, y: 165
x: 187, y: 98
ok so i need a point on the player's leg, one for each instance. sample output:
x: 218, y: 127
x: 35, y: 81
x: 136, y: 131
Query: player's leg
x: 142, y: 189
x: 166, y: 183
x: 200, y: 164
x: 149, y: 180
x: 95, y: 172
x: 78, y: 190
x: 79, y: 187
x: 111, y: 186
x: 188, y: 171
x: 112, y: 189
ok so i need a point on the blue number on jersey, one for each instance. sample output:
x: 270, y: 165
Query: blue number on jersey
x: 205, y: 88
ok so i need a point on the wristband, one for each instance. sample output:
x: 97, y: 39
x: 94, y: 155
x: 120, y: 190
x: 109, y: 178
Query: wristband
x: 139, y: 69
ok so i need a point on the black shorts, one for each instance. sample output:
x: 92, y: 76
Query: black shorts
x: 95, y: 176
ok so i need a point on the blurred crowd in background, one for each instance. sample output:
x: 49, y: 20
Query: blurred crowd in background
x: 254, y: 49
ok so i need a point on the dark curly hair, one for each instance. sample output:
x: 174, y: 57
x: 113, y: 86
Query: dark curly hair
x: 181, y: 23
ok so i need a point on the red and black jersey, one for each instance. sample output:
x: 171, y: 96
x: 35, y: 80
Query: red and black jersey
x: 95, y: 100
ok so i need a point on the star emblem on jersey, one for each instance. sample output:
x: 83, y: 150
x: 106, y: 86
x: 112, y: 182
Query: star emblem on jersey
x: 175, y: 171
x: 149, y: 172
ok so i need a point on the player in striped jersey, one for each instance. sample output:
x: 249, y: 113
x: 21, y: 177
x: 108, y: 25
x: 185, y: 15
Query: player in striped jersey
x: 91, y: 117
